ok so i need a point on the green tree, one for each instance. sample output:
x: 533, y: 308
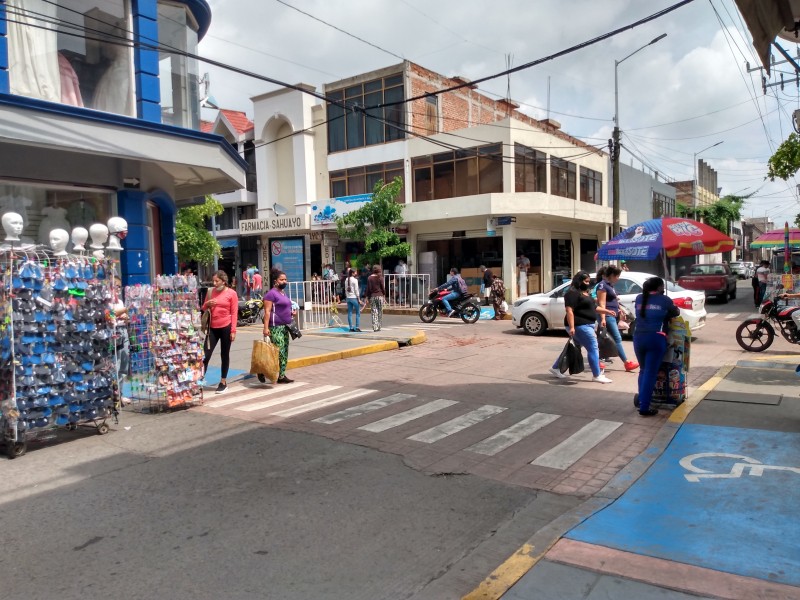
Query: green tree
x: 372, y: 223
x: 797, y: 220
x: 786, y: 160
x: 195, y: 242
x: 719, y: 215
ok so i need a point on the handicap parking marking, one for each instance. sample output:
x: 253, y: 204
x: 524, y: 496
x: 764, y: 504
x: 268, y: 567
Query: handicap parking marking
x: 719, y: 498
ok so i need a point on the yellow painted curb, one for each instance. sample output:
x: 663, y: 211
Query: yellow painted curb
x: 679, y: 414
x: 506, y: 575
x: 418, y: 339
x: 307, y: 361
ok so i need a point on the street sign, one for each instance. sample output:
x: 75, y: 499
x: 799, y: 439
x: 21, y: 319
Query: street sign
x: 506, y: 220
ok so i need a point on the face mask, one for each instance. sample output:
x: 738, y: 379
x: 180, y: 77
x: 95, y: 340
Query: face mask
x: 281, y: 286
x: 219, y: 288
x: 583, y: 287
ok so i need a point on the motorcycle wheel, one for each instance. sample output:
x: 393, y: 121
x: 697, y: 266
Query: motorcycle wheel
x: 427, y: 313
x: 755, y: 335
x: 470, y: 313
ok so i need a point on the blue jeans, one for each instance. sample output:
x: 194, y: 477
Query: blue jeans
x: 353, y: 308
x: 446, y: 300
x: 613, y: 331
x: 650, y: 349
x: 586, y: 337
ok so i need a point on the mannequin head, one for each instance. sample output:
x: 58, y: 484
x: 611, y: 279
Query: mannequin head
x: 99, y: 235
x: 13, y: 226
x: 118, y: 229
x: 79, y: 237
x: 58, y: 241
x: 98, y: 254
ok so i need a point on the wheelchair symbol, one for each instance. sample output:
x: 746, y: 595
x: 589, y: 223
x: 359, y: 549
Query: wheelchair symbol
x: 744, y: 466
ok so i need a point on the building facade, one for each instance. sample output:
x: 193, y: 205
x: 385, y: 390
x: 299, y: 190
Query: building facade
x: 99, y: 117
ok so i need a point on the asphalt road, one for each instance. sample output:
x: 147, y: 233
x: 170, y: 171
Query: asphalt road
x: 219, y: 502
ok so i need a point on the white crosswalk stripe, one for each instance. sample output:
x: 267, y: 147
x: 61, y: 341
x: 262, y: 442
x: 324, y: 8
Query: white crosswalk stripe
x: 362, y: 409
x: 731, y: 316
x: 290, y: 412
x: 434, y: 434
x: 510, y: 436
x: 409, y: 415
x: 575, y: 446
x: 289, y: 398
x: 257, y: 393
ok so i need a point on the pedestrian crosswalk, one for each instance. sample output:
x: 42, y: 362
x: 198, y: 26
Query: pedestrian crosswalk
x: 425, y: 421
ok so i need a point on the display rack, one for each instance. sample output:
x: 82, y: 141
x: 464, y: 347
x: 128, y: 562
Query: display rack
x: 57, y: 350
x: 166, y: 347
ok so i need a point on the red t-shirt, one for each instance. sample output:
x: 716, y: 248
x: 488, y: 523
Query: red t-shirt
x: 226, y: 310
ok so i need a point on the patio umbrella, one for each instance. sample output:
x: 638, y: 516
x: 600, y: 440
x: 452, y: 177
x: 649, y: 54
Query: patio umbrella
x: 670, y: 237
x: 776, y: 238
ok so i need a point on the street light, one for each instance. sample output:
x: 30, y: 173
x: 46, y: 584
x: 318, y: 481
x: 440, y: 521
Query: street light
x: 694, y: 181
x: 615, y: 150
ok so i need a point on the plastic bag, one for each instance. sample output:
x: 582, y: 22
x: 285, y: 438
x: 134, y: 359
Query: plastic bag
x: 571, y: 359
x: 264, y: 360
x: 606, y: 344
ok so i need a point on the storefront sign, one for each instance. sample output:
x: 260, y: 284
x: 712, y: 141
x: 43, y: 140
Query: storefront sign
x: 324, y: 212
x: 399, y: 229
x: 274, y: 225
x: 330, y: 238
x: 286, y: 254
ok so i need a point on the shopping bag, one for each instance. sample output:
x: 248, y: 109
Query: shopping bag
x: 563, y: 358
x: 205, y: 320
x: 606, y: 344
x: 265, y: 360
x: 576, y: 359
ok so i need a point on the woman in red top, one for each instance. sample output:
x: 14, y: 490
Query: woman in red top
x: 223, y: 303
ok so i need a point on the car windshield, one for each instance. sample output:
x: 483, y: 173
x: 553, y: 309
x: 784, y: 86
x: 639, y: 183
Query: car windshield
x: 736, y: 264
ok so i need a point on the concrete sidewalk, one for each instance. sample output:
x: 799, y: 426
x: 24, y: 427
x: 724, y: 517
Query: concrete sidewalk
x: 707, y: 511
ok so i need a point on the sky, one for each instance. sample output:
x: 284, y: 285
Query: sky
x: 677, y: 97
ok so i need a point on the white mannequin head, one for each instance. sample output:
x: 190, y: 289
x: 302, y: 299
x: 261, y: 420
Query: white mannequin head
x: 79, y: 237
x: 99, y: 254
x: 58, y: 241
x: 99, y: 235
x: 118, y: 229
x: 13, y: 226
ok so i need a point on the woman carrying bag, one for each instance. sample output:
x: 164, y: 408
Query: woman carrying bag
x: 223, y: 305
x: 277, y: 315
x: 376, y: 294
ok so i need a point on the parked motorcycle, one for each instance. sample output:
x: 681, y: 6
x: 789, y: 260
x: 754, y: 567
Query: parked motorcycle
x: 756, y: 334
x: 250, y: 311
x: 464, y: 307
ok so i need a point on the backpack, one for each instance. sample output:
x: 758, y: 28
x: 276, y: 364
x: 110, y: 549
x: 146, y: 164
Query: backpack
x: 593, y: 293
x: 462, y: 285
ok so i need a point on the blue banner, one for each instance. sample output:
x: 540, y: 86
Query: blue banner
x: 288, y: 255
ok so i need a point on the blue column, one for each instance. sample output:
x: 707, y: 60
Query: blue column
x: 145, y: 60
x: 135, y: 258
x: 4, y: 85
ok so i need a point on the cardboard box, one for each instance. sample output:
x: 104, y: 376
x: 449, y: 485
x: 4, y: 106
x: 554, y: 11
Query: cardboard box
x: 534, y: 283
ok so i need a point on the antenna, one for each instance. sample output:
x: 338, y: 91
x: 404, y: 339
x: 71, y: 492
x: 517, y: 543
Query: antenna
x: 509, y: 62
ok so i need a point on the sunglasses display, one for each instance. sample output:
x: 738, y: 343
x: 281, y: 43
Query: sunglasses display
x: 165, y: 344
x: 57, y: 366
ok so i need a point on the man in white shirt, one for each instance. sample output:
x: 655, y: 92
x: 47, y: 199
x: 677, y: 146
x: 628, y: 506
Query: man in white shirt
x: 762, y: 273
x: 401, y: 269
x: 524, y: 265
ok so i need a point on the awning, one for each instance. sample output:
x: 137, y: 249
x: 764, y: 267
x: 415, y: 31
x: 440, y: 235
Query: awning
x: 229, y: 243
x: 195, y: 163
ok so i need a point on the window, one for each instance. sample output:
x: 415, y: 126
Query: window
x: 591, y: 186
x: 180, y: 101
x: 663, y: 206
x: 45, y: 62
x: 353, y: 124
x: 562, y: 178
x: 458, y: 173
x: 251, y: 177
x: 626, y: 286
x: 530, y: 169
x: 362, y: 180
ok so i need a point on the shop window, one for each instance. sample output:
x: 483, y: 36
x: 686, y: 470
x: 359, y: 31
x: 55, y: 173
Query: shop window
x: 591, y: 186
x: 180, y: 100
x: 562, y: 178
x: 46, y: 208
x: 530, y: 169
x: 46, y: 62
x: 359, y: 122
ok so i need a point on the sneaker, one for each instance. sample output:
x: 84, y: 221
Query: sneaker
x: 221, y: 388
x: 601, y: 379
x: 262, y: 378
x: 357, y: 330
x: 556, y: 373
x: 631, y: 365
x: 650, y: 412
x: 285, y: 379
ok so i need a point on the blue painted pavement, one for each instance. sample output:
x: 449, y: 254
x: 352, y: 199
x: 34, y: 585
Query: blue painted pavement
x: 744, y: 522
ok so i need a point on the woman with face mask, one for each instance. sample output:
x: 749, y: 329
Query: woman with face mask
x: 582, y: 311
x: 654, y: 311
x: 223, y: 303
x: 277, y: 315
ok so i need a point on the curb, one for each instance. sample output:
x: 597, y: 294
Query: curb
x: 306, y: 361
x: 499, y: 581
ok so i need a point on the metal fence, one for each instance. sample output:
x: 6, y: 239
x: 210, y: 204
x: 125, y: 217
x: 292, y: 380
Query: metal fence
x: 318, y: 301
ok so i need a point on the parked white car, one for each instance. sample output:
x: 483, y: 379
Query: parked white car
x: 537, y: 313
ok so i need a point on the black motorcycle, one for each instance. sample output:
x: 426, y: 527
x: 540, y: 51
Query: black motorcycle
x: 464, y: 307
x: 756, y: 334
x: 250, y: 311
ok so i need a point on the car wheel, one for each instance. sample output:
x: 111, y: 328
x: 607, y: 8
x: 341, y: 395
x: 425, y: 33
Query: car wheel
x: 724, y: 298
x: 733, y: 294
x: 534, y: 324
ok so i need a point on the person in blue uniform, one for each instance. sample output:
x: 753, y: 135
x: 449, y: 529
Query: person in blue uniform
x: 654, y: 311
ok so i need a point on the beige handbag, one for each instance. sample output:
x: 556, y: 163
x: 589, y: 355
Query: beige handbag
x: 265, y: 360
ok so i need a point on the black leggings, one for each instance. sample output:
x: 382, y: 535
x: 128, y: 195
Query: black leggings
x: 223, y: 335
